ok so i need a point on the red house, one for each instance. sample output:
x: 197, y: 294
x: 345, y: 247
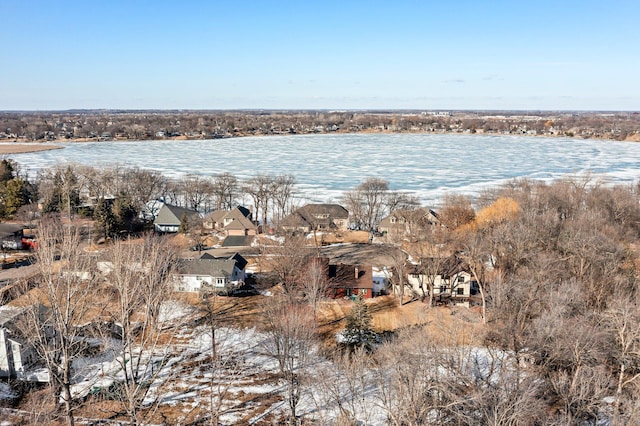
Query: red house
x: 350, y: 280
x: 342, y: 280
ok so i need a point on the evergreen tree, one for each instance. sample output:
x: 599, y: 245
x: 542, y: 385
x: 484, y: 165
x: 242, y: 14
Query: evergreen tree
x: 7, y: 170
x: 358, y: 331
x: 124, y: 214
x: 104, y: 219
x: 13, y: 195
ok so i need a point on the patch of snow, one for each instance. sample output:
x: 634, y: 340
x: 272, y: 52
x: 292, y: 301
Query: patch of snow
x: 6, y: 392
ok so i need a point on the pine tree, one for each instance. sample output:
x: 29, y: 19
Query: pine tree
x: 358, y: 331
x: 103, y: 219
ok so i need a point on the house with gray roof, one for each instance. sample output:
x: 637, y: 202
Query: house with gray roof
x: 210, y: 274
x: 169, y: 218
x: 15, y: 353
x: 317, y: 217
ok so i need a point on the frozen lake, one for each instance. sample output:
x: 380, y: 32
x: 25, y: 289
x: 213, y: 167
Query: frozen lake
x: 326, y: 165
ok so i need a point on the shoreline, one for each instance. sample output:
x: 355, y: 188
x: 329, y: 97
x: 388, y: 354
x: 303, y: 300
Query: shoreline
x: 10, y: 148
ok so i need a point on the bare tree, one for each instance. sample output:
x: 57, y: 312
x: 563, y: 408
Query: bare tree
x: 623, y: 321
x: 474, y: 253
x: 260, y: 188
x: 348, y: 385
x: 143, y: 187
x: 198, y: 191
x: 281, y: 193
x: 288, y: 262
x: 291, y: 337
x: 139, y: 275
x: 61, y: 304
x: 457, y: 211
x: 367, y: 202
x: 225, y: 190
x: 314, y: 282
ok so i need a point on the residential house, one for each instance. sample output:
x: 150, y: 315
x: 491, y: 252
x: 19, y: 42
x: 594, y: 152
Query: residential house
x: 15, y: 353
x: 453, y: 284
x: 235, y: 222
x: 345, y: 280
x: 210, y: 274
x: 350, y: 280
x: 317, y: 217
x: 404, y: 222
x: 170, y: 217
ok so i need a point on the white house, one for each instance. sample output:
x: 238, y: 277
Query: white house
x: 453, y: 284
x: 209, y: 273
x: 170, y: 217
x: 381, y: 278
x: 15, y: 354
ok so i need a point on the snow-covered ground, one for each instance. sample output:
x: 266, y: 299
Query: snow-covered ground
x: 242, y: 383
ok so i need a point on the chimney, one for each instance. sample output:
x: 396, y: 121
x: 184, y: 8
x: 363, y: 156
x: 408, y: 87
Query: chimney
x: 356, y: 271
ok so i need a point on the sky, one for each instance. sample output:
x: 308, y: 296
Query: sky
x: 305, y: 54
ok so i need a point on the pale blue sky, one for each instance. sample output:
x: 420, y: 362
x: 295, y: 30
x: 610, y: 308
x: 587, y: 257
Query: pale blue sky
x: 396, y: 54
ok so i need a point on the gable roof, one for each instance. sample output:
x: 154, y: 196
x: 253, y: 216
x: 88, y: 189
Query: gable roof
x: 172, y: 215
x: 351, y: 276
x: 217, y: 216
x: 335, y: 211
x: 402, y: 216
x: 238, y: 241
x: 448, y: 267
x: 206, y: 267
x: 241, y: 262
x: 239, y: 213
x: 295, y: 219
x: 311, y: 215
x: 9, y: 313
x: 240, y: 223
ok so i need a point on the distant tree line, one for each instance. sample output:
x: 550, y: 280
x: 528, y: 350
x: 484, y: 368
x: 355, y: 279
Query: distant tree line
x: 146, y: 125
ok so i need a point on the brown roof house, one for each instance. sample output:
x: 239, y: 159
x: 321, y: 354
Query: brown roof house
x: 316, y: 217
x: 232, y: 222
x: 170, y: 217
x: 350, y: 280
x: 403, y: 222
x: 343, y: 280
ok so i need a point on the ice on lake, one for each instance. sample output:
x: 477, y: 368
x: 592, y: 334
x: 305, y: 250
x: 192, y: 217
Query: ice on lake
x: 326, y: 165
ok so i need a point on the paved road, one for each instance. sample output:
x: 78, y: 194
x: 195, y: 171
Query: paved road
x: 17, y: 273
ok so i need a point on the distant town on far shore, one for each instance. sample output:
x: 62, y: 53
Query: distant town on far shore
x: 106, y: 125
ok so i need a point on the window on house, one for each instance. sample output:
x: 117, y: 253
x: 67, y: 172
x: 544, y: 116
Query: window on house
x: 393, y: 220
x: 363, y: 291
x: 461, y: 279
x: 443, y: 289
x: 460, y: 291
x: 348, y: 291
x: 219, y: 281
